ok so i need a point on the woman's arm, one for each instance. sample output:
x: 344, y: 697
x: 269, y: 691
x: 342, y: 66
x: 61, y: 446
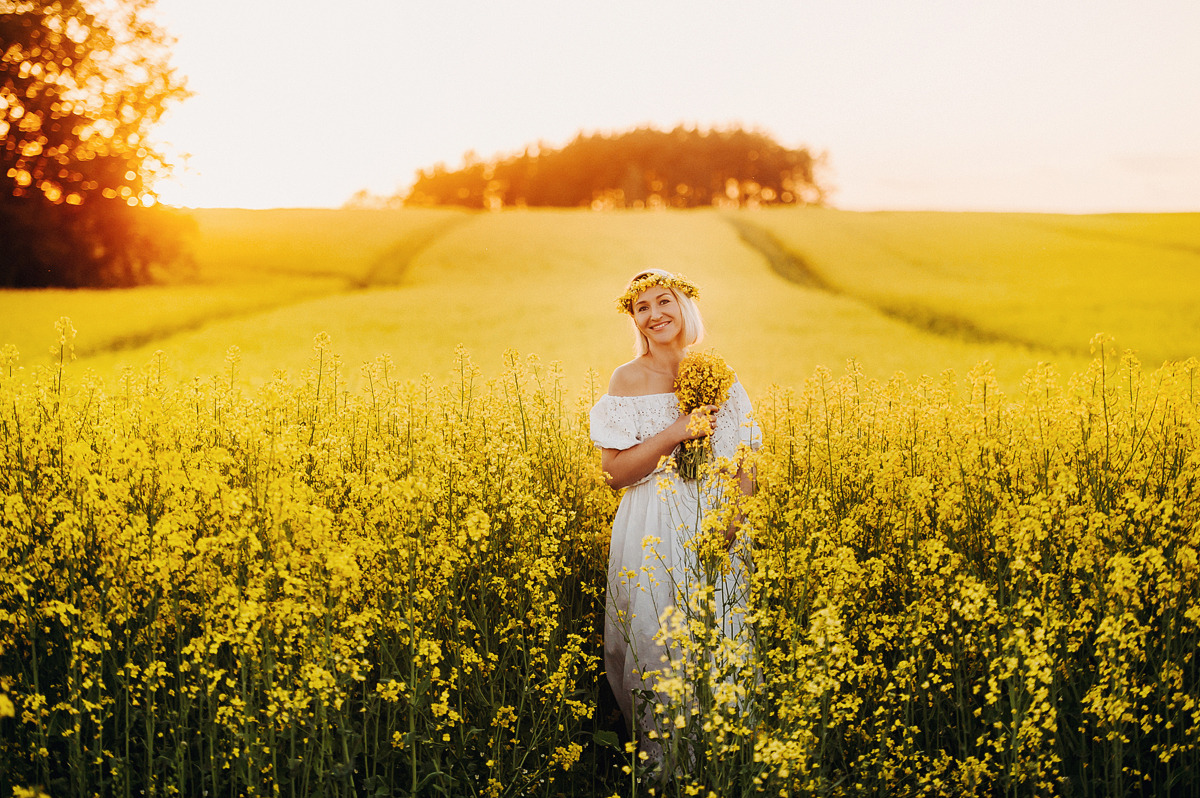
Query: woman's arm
x: 624, y: 467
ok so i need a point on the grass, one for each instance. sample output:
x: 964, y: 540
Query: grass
x: 784, y: 291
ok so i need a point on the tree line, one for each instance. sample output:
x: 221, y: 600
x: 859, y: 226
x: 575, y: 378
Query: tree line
x: 681, y: 168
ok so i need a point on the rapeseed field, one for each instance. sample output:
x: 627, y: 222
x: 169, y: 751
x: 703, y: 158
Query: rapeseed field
x: 211, y: 585
x: 784, y: 291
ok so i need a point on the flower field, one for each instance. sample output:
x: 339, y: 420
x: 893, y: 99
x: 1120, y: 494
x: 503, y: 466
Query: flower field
x: 294, y: 588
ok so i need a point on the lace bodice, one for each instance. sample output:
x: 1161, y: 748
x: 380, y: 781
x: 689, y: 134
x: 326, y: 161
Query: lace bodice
x: 620, y: 422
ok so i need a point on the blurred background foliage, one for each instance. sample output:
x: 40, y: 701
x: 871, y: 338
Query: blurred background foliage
x: 82, y: 83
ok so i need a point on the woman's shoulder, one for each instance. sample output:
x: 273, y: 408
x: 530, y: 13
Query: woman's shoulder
x: 629, y: 379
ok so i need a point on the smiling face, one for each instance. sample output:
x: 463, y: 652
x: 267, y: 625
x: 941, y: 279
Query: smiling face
x: 656, y: 313
x: 662, y: 309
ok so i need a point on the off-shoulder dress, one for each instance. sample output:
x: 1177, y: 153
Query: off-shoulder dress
x: 648, y: 556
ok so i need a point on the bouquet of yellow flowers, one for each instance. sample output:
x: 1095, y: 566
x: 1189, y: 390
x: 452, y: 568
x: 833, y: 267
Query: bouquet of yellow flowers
x: 704, y: 379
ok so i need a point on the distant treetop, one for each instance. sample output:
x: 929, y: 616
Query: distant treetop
x: 642, y: 168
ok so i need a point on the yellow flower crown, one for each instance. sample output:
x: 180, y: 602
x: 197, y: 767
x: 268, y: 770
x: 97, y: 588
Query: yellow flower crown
x: 676, y: 281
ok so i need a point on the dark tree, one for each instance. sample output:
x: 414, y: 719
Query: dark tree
x: 82, y: 82
x: 683, y: 168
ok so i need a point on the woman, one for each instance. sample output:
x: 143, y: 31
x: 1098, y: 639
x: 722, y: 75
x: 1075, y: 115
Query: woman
x: 638, y: 425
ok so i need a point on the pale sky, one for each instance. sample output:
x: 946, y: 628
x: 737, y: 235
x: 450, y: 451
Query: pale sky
x: 1044, y: 105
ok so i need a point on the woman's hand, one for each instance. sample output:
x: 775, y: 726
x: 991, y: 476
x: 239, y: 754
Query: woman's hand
x: 697, y: 424
x: 624, y: 467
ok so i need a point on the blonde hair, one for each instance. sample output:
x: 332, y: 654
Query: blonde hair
x: 689, y: 316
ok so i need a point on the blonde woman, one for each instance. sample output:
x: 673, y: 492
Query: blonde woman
x: 637, y: 424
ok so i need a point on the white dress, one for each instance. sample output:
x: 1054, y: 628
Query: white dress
x: 649, y: 562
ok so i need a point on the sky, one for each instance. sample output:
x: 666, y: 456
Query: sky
x: 1040, y: 105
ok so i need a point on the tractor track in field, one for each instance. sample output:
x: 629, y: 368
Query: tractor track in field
x: 1109, y: 237
x: 796, y: 269
x: 388, y: 270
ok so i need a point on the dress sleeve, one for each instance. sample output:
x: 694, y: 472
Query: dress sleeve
x: 613, y: 424
x: 735, y: 424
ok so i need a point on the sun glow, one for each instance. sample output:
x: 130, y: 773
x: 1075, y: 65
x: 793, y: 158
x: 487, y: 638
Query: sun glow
x: 972, y: 106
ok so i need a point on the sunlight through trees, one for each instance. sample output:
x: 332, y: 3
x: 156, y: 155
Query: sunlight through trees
x: 81, y: 85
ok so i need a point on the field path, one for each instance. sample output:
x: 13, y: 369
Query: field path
x: 1172, y: 232
x: 1050, y: 282
x: 793, y: 267
x: 392, y: 266
x: 249, y: 263
x: 388, y: 269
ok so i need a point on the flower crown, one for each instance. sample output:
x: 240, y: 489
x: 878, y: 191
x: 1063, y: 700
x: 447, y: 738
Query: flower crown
x: 675, y: 281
